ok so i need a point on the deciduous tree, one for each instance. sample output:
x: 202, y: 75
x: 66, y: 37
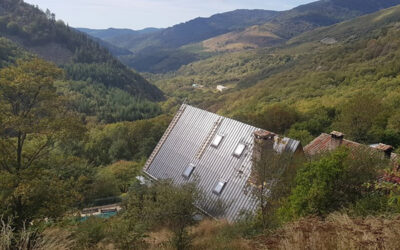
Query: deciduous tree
x: 34, y: 121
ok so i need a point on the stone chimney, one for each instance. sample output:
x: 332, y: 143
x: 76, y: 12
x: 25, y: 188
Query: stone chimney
x: 386, y: 149
x: 263, y: 140
x: 336, y: 140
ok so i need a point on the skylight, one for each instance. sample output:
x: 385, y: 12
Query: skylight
x: 217, y: 140
x: 219, y: 187
x: 239, y: 150
x: 188, y: 171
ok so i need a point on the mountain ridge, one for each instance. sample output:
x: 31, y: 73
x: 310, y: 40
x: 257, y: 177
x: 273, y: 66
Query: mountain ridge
x: 110, y: 33
x: 275, y: 29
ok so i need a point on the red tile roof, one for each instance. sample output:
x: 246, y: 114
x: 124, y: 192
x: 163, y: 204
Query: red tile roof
x: 326, y: 143
x: 384, y: 147
x: 329, y: 142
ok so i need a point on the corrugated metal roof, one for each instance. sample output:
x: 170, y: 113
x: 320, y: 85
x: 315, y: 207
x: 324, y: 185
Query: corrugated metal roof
x: 188, y: 142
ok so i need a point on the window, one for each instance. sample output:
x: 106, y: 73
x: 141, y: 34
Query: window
x: 239, y: 150
x: 188, y: 171
x: 217, y: 140
x: 219, y: 187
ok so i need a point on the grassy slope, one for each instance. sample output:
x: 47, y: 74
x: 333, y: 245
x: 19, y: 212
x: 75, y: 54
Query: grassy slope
x: 337, y: 231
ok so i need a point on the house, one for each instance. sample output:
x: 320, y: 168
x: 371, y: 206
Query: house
x: 221, y: 88
x: 328, y: 142
x: 217, y: 152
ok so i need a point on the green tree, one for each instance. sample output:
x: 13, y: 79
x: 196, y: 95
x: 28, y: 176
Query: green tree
x: 334, y: 181
x: 33, y: 121
x: 302, y: 135
x: 277, y: 118
x: 163, y: 205
x: 358, y: 117
x: 273, y: 176
x: 115, y: 179
x: 174, y: 208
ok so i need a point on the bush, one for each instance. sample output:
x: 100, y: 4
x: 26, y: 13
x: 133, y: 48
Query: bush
x: 302, y: 135
x: 90, y: 232
x: 332, y: 182
x: 211, y: 234
x: 373, y: 203
x: 277, y: 118
x: 127, y: 234
x: 164, y: 205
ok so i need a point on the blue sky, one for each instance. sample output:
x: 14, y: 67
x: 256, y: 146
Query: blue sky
x: 138, y: 14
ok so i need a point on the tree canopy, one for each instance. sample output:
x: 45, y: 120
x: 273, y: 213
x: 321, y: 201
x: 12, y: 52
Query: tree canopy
x: 33, y: 121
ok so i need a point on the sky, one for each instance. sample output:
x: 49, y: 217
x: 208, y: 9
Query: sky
x: 139, y: 14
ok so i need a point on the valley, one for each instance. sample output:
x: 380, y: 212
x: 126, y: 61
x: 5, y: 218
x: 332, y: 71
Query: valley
x: 248, y: 129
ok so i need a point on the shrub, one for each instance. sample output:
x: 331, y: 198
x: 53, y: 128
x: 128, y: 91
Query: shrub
x: 90, y: 232
x: 127, y: 234
x: 211, y: 234
x: 373, y: 203
x: 164, y: 205
x: 332, y: 182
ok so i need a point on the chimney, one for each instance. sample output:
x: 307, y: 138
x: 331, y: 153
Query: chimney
x: 263, y: 140
x: 386, y: 149
x: 336, y: 140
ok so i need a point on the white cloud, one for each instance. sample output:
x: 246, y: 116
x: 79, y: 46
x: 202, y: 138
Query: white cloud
x: 138, y: 14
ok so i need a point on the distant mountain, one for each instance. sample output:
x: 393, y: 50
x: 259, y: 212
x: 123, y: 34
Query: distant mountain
x: 195, y: 30
x: 81, y: 57
x: 116, y: 51
x: 106, y: 34
x: 288, y: 24
x: 160, y: 51
x: 168, y: 49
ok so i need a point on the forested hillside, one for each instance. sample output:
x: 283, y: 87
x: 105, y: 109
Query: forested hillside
x: 101, y: 85
x: 42, y: 34
x: 309, y: 82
